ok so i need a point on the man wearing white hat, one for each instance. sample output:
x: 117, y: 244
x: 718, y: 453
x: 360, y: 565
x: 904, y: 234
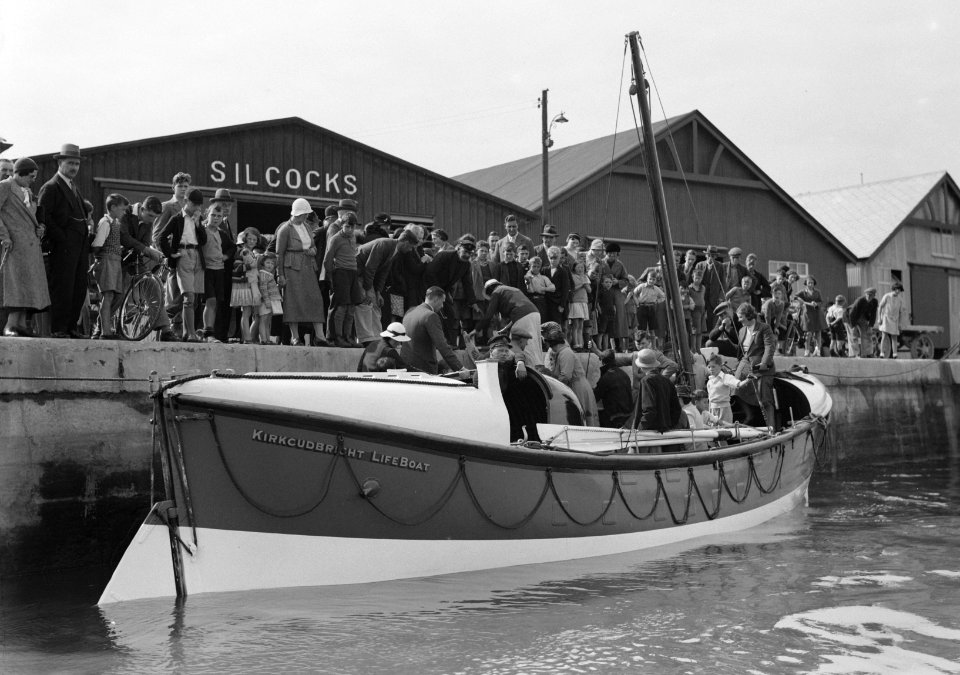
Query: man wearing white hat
x: 394, y: 336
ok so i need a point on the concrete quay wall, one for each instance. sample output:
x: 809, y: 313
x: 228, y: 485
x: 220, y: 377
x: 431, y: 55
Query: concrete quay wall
x: 76, y: 445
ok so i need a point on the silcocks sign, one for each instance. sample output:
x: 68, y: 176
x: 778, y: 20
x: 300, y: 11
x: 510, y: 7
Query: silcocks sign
x: 244, y: 176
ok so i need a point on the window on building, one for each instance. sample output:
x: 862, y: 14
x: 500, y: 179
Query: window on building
x: 800, y: 268
x: 942, y: 243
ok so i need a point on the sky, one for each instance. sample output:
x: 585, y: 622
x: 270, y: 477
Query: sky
x: 818, y: 94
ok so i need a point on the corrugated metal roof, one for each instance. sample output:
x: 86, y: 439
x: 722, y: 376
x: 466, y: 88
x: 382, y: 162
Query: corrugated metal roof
x: 863, y: 217
x: 521, y: 181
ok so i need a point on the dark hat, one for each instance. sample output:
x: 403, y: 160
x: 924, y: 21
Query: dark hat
x: 499, y: 341
x: 719, y: 309
x: 347, y: 205
x: 68, y: 151
x: 372, y: 228
x: 574, y: 235
x: 382, y: 217
x: 612, y: 247
x: 222, y: 195
x: 784, y: 269
x: 467, y: 244
x: 711, y: 250
x: 549, y: 231
x: 330, y: 211
x: 608, y: 357
x: 25, y: 164
x: 195, y: 196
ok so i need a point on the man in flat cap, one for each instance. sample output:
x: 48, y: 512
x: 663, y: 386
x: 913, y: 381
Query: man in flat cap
x: 734, y: 270
x: 65, y: 218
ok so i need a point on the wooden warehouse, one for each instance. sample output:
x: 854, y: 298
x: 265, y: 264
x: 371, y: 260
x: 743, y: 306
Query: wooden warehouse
x: 715, y: 195
x: 902, y: 230
x: 266, y: 165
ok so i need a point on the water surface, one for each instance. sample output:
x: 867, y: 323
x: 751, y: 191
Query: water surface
x: 864, y: 579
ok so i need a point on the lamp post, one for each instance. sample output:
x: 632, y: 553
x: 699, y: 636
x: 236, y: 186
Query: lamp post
x: 546, y: 128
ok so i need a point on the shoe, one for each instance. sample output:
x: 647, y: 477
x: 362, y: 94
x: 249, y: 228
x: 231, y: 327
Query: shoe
x: 76, y: 335
x: 24, y: 331
x: 192, y: 338
x: 59, y: 335
x: 106, y: 336
x: 167, y: 336
x: 320, y: 342
x: 295, y: 342
x: 12, y: 332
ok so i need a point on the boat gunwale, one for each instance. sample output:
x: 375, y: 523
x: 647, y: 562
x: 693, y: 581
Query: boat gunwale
x: 553, y: 458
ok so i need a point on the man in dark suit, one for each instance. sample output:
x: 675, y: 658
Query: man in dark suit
x: 760, y: 290
x: 62, y: 212
x: 757, y: 346
x: 446, y: 270
x: 559, y: 299
x: 548, y: 238
x: 228, y: 244
x: 423, y: 327
x: 714, y: 289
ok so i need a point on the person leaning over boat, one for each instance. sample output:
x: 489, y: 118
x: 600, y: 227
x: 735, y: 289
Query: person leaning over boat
x: 562, y: 363
x: 614, y: 390
x: 863, y: 313
x: 892, y: 317
x: 513, y: 306
x: 758, y: 344
x: 658, y: 407
x: 391, y: 341
x: 423, y: 326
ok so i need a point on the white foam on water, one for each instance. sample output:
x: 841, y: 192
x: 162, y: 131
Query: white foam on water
x: 950, y: 574
x: 869, y: 639
x: 862, y: 579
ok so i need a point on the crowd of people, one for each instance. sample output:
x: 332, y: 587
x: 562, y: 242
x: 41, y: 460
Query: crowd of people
x: 329, y: 280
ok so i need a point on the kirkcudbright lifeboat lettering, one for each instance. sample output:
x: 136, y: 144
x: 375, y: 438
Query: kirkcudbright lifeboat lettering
x: 400, y: 461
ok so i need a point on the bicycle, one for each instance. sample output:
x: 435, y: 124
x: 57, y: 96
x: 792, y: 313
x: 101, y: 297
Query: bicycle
x: 142, y: 303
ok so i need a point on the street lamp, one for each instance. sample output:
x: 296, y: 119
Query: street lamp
x: 546, y: 128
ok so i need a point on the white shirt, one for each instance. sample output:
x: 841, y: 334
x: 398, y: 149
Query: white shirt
x: 189, y: 235
x: 305, y: 238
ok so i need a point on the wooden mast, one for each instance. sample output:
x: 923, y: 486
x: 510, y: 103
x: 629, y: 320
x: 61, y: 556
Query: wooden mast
x: 681, y: 343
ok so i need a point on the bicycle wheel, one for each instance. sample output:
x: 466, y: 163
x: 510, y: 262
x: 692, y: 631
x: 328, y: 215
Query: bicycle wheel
x: 141, y: 307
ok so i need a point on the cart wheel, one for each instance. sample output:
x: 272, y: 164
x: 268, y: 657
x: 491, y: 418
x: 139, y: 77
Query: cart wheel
x: 141, y: 308
x: 921, y: 347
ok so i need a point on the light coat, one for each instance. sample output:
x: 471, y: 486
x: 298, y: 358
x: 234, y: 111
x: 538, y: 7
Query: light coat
x: 24, y: 282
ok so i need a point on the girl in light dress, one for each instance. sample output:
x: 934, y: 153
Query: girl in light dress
x: 270, y: 302
x: 579, y: 308
x: 246, y: 283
